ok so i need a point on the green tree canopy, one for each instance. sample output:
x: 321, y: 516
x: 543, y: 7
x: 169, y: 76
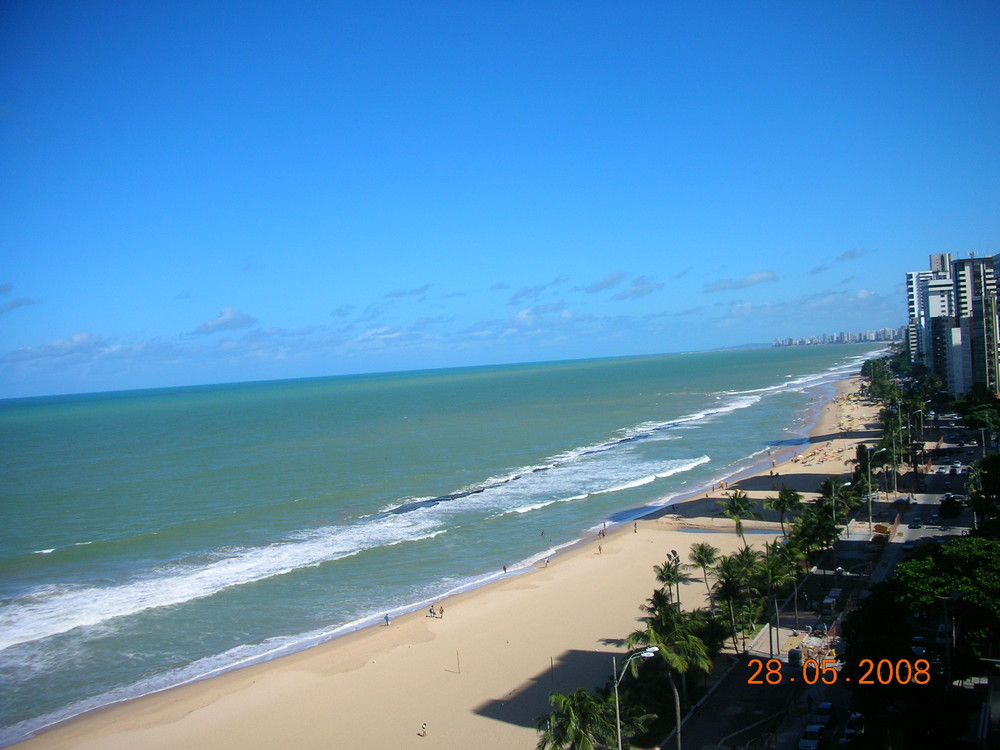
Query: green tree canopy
x: 579, y: 721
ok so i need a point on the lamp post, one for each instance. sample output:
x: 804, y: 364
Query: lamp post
x: 895, y: 459
x: 833, y: 497
x: 647, y: 653
x: 870, y: 457
x: 677, y: 575
x: 834, y: 494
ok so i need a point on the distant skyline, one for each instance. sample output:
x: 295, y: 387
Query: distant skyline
x: 218, y: 192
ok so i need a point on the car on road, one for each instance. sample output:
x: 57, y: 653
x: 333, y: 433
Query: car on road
x: 934, y: 520
x: 917, y: 523
x: 855, y: 725
x: 824, y: 714
x: 942, y: 470
x: 943, y: 635
x: 812, y: 737
x: 918, y: 645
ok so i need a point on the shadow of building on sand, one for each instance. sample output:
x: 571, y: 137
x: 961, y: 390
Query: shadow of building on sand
x: 566, y: 673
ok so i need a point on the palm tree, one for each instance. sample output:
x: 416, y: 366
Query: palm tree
x: 670, y: 575
x: 660, y: 604
x: 704, y: 556
x: 737, y: 506
x: 751, y: 565
x: 795, y: 559
x: 738, y: 584
x: 579, y: 721
x: 787, y: 501
x: 729, y: 588
x: 776, y: 571
x: 833, y: 492
x: 814, y: 530
x: 681, y: 650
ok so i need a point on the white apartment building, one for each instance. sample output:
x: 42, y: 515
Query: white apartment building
x: 953, y: 329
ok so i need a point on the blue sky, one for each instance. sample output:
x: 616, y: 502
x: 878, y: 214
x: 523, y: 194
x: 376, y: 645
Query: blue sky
x: 212, y: 192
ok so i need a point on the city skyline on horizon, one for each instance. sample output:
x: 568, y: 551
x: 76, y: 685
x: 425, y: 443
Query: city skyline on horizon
x: 270, y: 193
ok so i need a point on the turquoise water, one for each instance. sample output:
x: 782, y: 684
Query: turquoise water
x: 154, y: 537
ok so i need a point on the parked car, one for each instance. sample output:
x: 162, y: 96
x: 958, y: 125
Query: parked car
x: 934, y: 520
x: 917, y: 523
x: 918, y: 645
x: 943, y: 635
x: 812, y: 737
x: 855, y: 725
x: 824, y: 714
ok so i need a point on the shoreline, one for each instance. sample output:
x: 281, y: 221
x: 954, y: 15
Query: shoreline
x: 573, y: 610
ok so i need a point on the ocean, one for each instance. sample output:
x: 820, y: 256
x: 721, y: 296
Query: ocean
x: 151, y: 538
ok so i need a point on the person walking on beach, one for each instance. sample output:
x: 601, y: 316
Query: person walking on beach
x: 423, y: 729
x: 432, y: 613
x: 600, y: 550
x: 386, y: 618
x: 504, y: 568
x: 441, y: 612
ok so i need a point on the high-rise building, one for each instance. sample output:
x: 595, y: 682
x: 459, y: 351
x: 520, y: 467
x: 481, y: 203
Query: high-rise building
x: 976, y: 315
x: 929, y: 295
x: 952, y: 310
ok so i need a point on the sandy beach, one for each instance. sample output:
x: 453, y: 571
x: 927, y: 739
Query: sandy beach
x: 479, y: 674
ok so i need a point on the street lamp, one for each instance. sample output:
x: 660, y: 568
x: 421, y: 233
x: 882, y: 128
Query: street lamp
x: 647, y: 653
x: 895, y: 459
x: 677, y: 575
x: 836, y: 491
x: 870, y: 457
x: 833, y: 494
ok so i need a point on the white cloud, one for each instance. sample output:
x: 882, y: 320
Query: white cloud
x: 612, y: 279
x: 760, y: 277
x: 641, y: 286
x: 6, y: 307
x: 378, y: 335
x: 396, y: 293
x: 228, y: 320
x: 854, y: 254
x: 77, y: 347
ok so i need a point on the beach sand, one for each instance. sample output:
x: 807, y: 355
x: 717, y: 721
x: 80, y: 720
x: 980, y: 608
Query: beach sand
x: 481, y: 674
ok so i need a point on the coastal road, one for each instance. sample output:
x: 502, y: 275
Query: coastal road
x: 776, y: 715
